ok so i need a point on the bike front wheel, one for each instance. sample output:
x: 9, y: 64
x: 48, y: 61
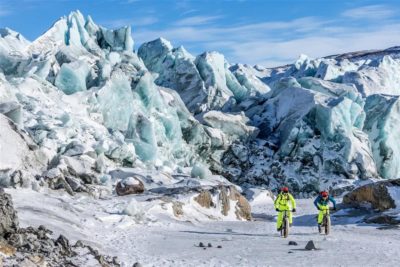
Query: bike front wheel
x: 327, y: 224
x: 285, y: 227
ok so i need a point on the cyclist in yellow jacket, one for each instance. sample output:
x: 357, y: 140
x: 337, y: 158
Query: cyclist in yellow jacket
x: 284, y: 201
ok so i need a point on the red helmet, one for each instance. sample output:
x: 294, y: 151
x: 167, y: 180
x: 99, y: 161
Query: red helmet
x: 285, y: 189
x: 324, y: 194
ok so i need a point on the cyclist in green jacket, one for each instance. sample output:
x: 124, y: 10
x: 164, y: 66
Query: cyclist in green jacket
x: 284, y: 201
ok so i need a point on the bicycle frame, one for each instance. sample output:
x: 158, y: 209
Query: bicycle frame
x: 326, y: 218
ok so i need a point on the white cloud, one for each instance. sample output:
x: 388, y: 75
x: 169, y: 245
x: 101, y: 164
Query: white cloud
x: 268, y: 52
x: 189, y: 11
x: 196, y: 20
x: 369, y: 12
x: 281, y: 42
x: 237, y: 33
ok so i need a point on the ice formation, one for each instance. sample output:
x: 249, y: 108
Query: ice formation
x: 87, y: 103
x: 204, y: 82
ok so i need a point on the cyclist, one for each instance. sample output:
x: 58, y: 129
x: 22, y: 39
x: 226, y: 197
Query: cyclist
x: 284, y: 201
x: 322, y: 203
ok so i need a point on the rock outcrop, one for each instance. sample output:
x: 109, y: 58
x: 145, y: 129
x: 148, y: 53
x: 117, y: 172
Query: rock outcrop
x: 381, y: 200
x: 375, y: 195
x: 30, y: 246
x: 8, y: 216
x: 226, y: 199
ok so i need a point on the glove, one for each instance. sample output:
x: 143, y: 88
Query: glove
x: 277, y: 210
x: 293, y: 210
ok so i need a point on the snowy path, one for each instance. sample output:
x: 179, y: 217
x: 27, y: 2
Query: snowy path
x: 161, y: 241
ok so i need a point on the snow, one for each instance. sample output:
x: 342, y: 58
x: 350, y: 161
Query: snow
x: 158, y: 240
x: 131, y: 181
x: 11, y: 142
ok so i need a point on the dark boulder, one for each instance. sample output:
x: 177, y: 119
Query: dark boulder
x: 130, y: 185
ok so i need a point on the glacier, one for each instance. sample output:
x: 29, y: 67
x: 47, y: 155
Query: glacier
x: 81, y: 93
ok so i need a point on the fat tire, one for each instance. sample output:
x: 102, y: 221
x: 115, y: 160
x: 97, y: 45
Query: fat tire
x: 327, y: 224
x: 286, y: 227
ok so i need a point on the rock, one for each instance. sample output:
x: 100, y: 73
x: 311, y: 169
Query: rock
x: 201, y: 244
x: 53, y: 173
x: 130, y: 185
x: 63, y: 242
x: 32, y: 247
x: 42, y: 232
x: 310, y: 245
x: 205, y: 199
x: 292, y: 243
x: 374, y: 195
x: 137, y: 264
x: 177, y: 208
x: 27, y: 263
x: 17, y: 240
x: 75, y: 184
x: 34, y: 261
x: 219, y: 246
x: 388, y: 219
x: 61, y: 182
x: 7, y: 250
x: 226, y: 195
x: 8, y: 216
x: 20, y: 178
x: 81, y: 167
x: 116, y: 261
x: 79, y: 244
x: 224, y: 200
x: 242, y: 208
x: 209, y: 245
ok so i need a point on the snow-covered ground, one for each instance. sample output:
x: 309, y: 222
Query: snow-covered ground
x: 155, y: 239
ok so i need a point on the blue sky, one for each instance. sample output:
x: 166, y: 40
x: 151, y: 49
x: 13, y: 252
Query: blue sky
x: 269, y: 32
